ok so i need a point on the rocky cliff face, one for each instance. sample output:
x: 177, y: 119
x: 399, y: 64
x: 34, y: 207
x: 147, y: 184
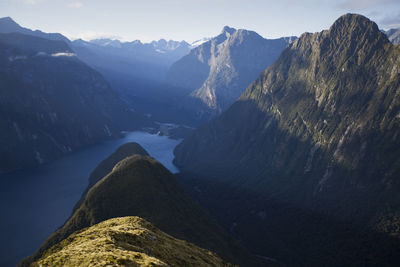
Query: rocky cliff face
x: 52, y: 103
x: 318, y: 130
x: 127, y: 241
x: 140, y: 186
x: 218, y: 71
x: 393, y: 35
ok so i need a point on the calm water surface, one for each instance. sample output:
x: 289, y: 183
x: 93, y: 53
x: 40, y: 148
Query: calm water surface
x: 35, y: 202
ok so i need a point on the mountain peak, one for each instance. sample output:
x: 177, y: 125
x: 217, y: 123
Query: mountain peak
x: 7, y: 19
x: 140, y: 240
x: 354, y: 24
x: 228, y: 29
x: 7, y: 24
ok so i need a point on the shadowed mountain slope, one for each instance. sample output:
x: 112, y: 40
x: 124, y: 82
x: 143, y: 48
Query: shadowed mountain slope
x: 51, y: 103
x: 318, y: 131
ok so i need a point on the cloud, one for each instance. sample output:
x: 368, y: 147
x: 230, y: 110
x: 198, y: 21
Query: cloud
x: 30, y: 2
x: 390, y: 21
x: 364, y: 3
x: 74, y: 5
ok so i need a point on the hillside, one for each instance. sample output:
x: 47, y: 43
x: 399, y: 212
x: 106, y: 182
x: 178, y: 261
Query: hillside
x: 316, y: 136
x: 127, y: 241
x: 140, y: 186
x: 107, y: 165
x: 52, y: 103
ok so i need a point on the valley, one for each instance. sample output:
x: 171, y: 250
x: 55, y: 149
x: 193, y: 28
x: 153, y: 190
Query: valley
x: 44, y: 196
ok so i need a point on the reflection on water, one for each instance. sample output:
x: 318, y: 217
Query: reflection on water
x: 35, y: 202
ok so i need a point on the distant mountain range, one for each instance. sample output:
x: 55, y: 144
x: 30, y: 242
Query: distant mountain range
x: 142, y: 61
x: 393, y: 35
x: 218, y: 70
x: 121, y: 63
x: 160, y: 52
x: 309, y: 154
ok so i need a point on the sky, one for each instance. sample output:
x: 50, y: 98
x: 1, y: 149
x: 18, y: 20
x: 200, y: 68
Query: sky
x: 190, y: 20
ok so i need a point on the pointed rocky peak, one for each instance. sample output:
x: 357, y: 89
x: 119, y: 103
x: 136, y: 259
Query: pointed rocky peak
x: 107, y: 42
x: 159, y: 43
x: 7, y: 24
x: 8, y: 20
x: 228, y: 30
x: 135, y: 42
x: 393, y: 35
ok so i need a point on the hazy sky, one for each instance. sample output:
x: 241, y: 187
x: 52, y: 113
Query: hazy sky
x: 190, y: 20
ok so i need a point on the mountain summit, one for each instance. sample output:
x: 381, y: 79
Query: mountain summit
x: 217, y: 72
x: 127, y: 241
x: 8, y: 25
x: 317, y: 133
x: 228, y: 30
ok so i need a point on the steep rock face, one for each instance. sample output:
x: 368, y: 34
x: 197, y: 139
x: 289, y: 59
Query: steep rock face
x: 393, y: 35
x: 127, y: 241
x: 318, y: 130
x: 141, y: 186
x: 218, y: 71
x: 52, y: 103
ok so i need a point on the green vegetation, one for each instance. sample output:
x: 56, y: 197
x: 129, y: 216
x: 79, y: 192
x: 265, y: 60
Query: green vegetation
x: 140, y: 186
x: 127, y: 241
x: 107, y: 165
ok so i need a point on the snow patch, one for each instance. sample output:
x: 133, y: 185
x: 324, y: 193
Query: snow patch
x: 39, y: 157
x: 199, y: 42
x: 14, y: 58
x: 18, y: 131
x: 310, y: 158
x: 63, y: 54
x: 107, y: 130
x: 40, y: 54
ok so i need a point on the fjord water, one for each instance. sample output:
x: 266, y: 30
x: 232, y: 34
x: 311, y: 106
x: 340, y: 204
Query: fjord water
x: 35, y: 202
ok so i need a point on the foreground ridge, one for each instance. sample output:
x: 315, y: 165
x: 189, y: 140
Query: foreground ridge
x: 127, y: 241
